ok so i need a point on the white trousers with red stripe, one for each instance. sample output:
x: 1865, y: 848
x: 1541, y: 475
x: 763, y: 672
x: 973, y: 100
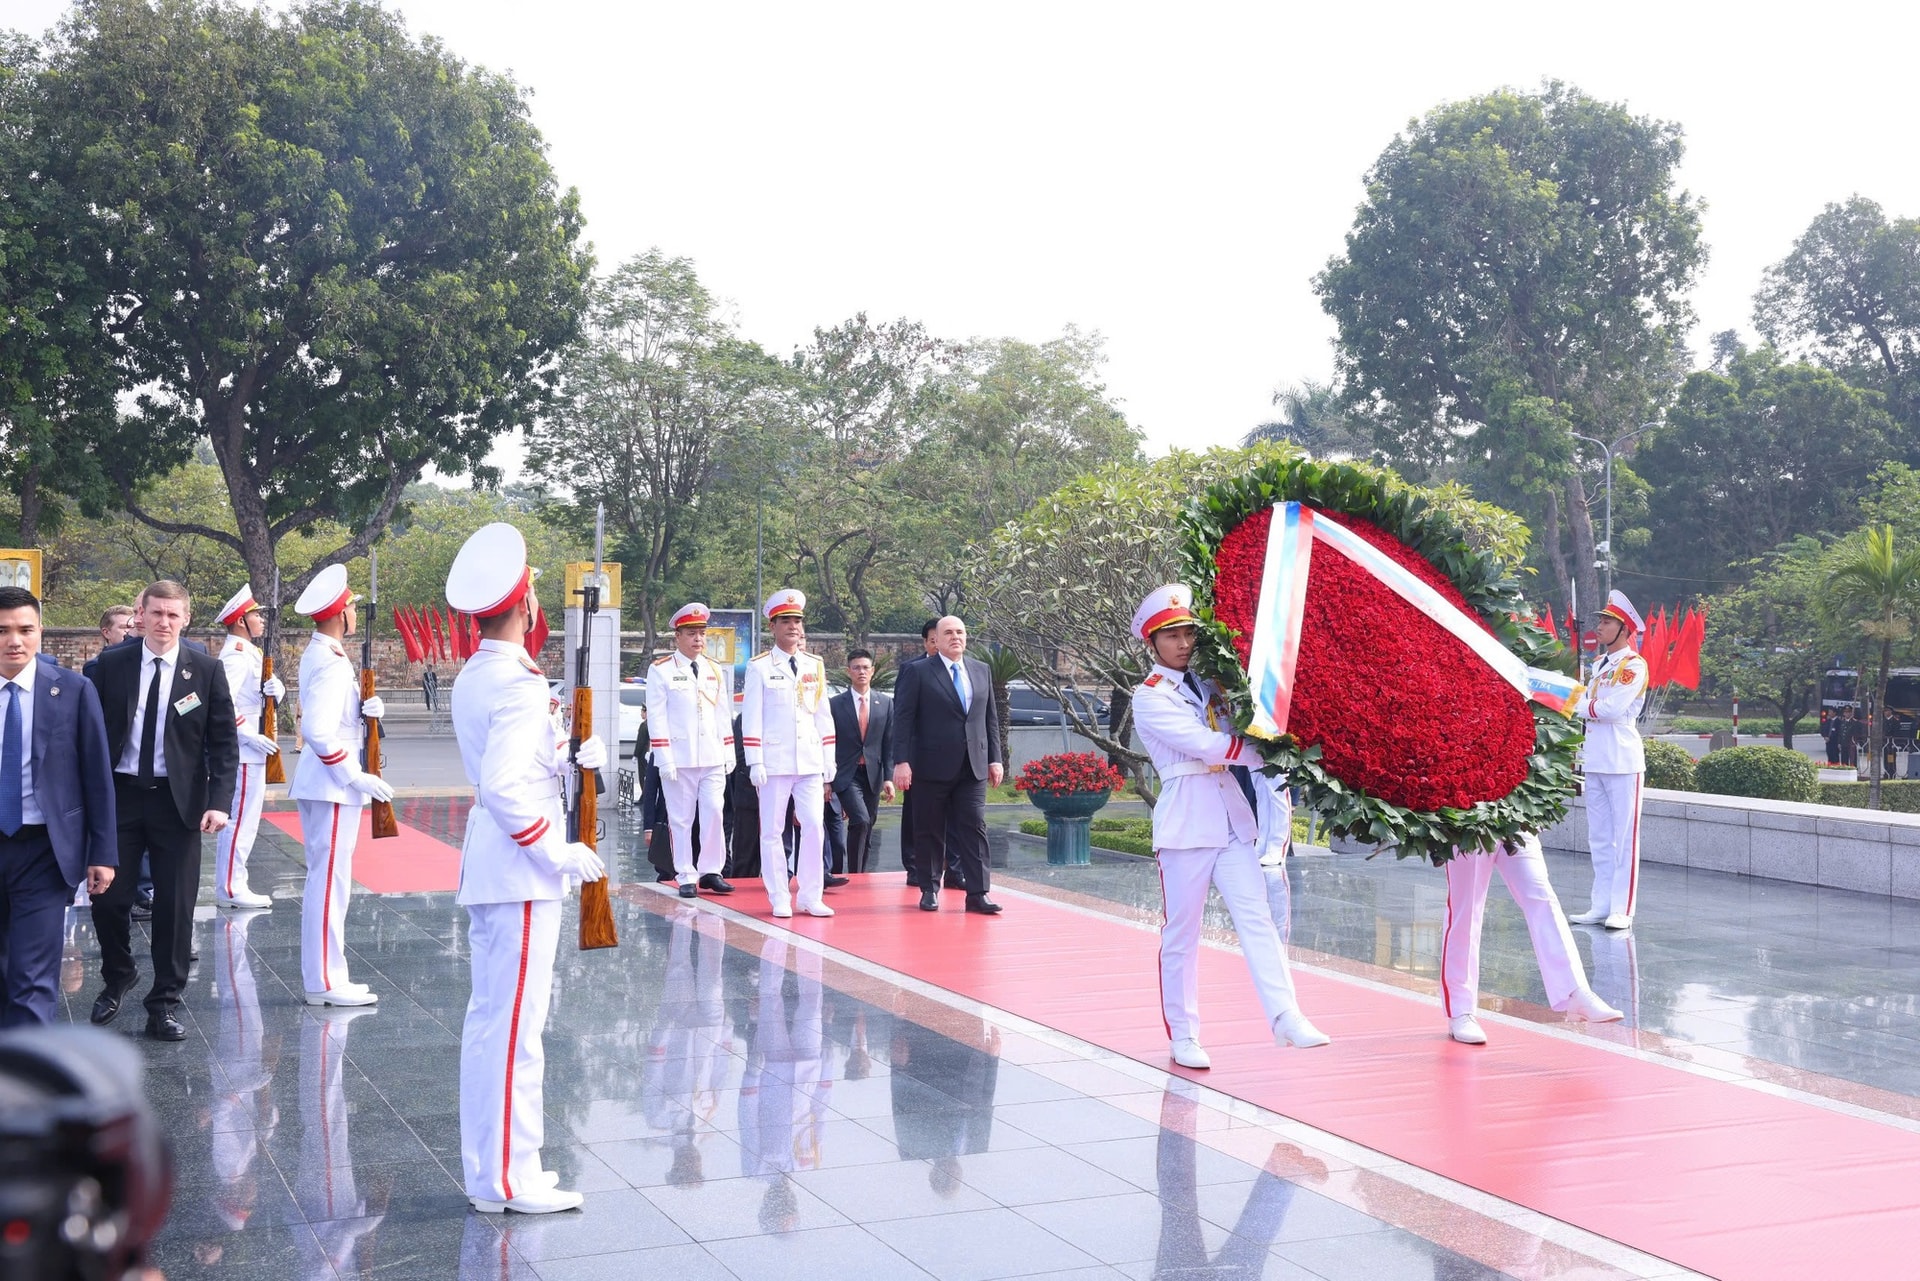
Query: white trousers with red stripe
x: 1236, y: 871
x: 502, y: 1064
x: 1613, y: 836
x: 809, y: 802
x: 696, y: 792
x: 328, y: 831
x: 234, y: 845
x: 1525, y: 872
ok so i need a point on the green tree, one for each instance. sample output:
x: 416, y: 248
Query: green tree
x: 345, y: 254
x: 660, y: 391
x: 1873, y: 582
x: 1769, y: 638
x: 1849, y: 293
x: 1056, y: 588
x: 1515, y: 275
x: 1313, y: 417
x: 1752, y: 458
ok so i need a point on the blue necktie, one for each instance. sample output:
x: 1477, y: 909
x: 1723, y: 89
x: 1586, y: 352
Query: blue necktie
x: 959, y: 689
x: 12, y: 765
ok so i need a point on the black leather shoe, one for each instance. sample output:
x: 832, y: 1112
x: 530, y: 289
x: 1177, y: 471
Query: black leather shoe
x: 954, y: 883
x: 143, y: 908
x: 106, y: 1007
x: 929, y: 901
x: 834, y: 882
x: 688, y: 891
x: 714, y: 883
x: 666, y: 878
x: 165, y: 1027
x: 982, y: 904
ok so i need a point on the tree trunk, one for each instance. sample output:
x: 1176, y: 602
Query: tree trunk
x: 1580, y: 522
x: 31, y: 503
x: 1877, y: 725
x: 1003, y: 704
x: 1119, y: 710
x: 1556, y: 554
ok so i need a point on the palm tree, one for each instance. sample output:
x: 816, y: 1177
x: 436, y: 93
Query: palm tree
x: 1004, y: 666
x: 1312, y: 417
x: 1876, y: 586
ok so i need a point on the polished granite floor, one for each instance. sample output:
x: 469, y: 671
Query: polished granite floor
x: 735, y: 1105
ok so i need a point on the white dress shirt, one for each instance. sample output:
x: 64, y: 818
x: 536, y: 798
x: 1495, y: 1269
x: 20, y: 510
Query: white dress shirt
x: 29, y: 807
x: 129, y: 762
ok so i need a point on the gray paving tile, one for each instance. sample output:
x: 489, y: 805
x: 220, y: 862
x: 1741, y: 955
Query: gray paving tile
x: 1033, y: 1176
x: 722, y: 1208
x: 609, y: 1222
x: 981, y: 1245
x: 808, y: 1256
x: 872, y: 1194
x: 1382, y: 1256
x: 680, y: 1262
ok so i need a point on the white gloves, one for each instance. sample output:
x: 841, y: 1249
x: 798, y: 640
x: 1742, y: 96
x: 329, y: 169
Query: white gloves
x: 372, y: 709
x: 757, y: 774
x: 272, y: 688
x: 259, y: 743
x: 371, y: 786
x: 668, y: 771
x: 591, y: 754
x: 580, y: 860
x: 731, y: 763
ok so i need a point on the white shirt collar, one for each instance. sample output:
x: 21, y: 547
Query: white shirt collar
x: 170, y: 657
x: 25, y: 679
x: 501, y: 646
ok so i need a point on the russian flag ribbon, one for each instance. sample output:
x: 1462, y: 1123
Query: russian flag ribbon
x: 1274, y: 652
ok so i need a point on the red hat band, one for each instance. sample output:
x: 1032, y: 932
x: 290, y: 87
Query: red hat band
x: 339, y: 604
x: 512, y: 598
x: 1170, y: 617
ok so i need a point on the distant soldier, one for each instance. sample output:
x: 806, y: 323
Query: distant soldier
x: 690, y: 733
x: 1615, y: 764
x: 787, y: 729
x: 240, y: 655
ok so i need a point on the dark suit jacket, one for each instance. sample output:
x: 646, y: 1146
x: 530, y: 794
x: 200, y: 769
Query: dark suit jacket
x: 848, y: 746
x: 930, y: 731
x: 203, y: 746
x: 72, y: 772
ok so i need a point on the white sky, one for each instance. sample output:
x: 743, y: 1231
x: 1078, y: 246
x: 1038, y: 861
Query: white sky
x: 1171, y: 176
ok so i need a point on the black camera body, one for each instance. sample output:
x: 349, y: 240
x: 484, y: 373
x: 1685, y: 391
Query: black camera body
x: 85, y: 1170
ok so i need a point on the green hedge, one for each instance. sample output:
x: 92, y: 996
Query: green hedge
x: 1670, y: 766
x: 1901, y: 796
x: 1768, y: 773
x: 1122, y: 835
x: 1748, y: 725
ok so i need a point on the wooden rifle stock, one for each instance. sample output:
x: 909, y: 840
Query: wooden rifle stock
x: 597, y: 929
x: 384, y: 823
x: 270, y: 724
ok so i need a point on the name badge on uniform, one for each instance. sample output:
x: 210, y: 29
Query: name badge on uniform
x: 181, y: 706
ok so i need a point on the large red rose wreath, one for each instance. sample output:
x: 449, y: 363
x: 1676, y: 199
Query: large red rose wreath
x: 1399, y: 733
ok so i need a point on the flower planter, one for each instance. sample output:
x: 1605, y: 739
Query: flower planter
x: 1069, y: 820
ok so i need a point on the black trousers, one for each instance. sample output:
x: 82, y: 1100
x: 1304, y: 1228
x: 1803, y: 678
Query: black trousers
x: 33, y: 917
x: 949, y: 832
x: 857, y: 800
x: 149, y: 821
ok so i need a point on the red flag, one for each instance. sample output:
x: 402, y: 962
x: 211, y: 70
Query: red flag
x: 457, y: 622
x: 470, y: 638
x: 1547, y: 621
x: 538, y: 633
x: 1686, y: 656
x: 1656, y: 647
x: 440, y: 634
x: 406, y: 637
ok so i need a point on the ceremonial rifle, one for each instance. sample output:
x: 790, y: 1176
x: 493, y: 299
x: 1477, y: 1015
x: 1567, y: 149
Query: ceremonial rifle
x: 583, y: 818
x: 270, y: 707
x: 384, y: 823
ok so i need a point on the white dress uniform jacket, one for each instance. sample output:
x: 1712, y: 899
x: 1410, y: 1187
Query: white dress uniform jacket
x: 689, y: 718
x: 241, y: 659
x: 785, y: 723
x: 331, y: 725
x: 1611, y: 708
x: 516, y: 833
x: 1201, y: 806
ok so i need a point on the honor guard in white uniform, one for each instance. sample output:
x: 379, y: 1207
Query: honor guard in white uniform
x: 786, y: 729
x: 690, y: 733
x: 1615, y: 765
x: 1204, y: 832
x: 240, y: 656
x: 1524, y: 868
x: 514, y: 870
x: 331, y: 787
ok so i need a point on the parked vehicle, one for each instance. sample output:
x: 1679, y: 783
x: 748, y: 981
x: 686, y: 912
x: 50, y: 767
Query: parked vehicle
x: 1839, y: 689
x: 1028, y: 706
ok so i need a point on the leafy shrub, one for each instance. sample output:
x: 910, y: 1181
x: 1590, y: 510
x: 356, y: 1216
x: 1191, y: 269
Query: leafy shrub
x: 1670, y: 766
x: 1769, y: 773
x: 1068, y: 774
x: 1900, y: 796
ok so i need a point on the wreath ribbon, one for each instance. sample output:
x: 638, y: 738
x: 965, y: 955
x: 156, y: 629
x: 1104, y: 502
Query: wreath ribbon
x: 1274, y: 650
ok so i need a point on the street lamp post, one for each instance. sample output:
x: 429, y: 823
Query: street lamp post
x: 1608, y: 450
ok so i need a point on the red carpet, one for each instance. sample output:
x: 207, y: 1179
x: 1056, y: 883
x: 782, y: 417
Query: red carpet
x: 1713, y: 1176
x: 410, y: 863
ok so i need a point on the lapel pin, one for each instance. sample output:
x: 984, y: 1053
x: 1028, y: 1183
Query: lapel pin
x: 55, y: 691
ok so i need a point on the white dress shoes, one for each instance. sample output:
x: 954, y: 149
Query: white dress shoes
x: 1619, y: 921
x: 783, y: 908
x: 1188, y: 1054
x: 1588, y: 918
x: 1273, y: 858
x: 346, y: 994
x: 1465, y: 1029
x: 539, y: 1199
x: 816, y: 909
x: 1292, y: 1028
x: 244, y: 898
x: 1587, y: 1006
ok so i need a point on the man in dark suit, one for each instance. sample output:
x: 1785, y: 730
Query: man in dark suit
x: 56, y: 810
x: 176, y: 755
x: 906, y: 811
x: 863, y: 755
x: 947, y: 742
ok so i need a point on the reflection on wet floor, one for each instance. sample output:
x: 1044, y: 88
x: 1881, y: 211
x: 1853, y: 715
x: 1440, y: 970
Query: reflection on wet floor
x: 735, y: 1105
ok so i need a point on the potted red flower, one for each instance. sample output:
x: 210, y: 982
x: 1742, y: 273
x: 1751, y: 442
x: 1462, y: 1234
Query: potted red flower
x: 1069, y: 788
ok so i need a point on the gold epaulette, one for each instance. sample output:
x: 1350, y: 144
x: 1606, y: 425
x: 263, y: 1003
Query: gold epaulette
x: 658, y: 661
